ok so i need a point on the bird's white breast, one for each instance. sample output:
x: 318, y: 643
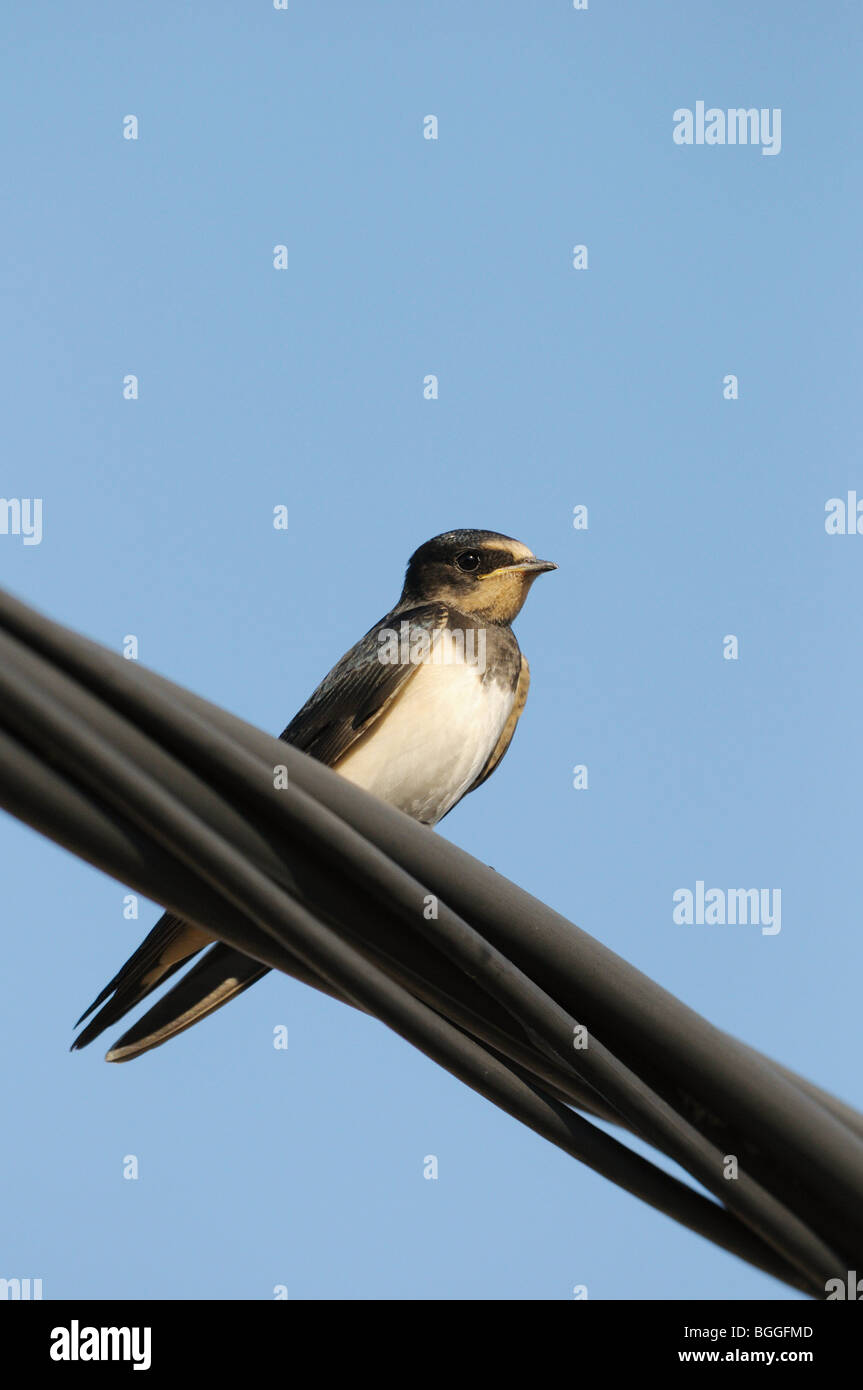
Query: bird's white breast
x: 433, y: 742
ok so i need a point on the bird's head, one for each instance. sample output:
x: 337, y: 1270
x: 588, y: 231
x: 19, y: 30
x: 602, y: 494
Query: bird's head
x: 477, y: 572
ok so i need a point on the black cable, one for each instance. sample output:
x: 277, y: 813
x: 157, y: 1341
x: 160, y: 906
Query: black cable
x: 515, y: 975
x: 459, y: 1054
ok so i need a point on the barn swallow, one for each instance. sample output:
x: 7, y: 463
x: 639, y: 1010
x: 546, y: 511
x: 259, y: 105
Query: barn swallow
x: 419, y: 712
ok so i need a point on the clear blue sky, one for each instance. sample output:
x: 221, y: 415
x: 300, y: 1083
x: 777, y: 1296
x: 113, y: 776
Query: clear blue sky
x: 558, y: 387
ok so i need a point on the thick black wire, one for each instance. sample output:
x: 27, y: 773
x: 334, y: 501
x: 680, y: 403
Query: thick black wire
x: 137, y: 687
x: 640, y: 1010
x: 204, y: 851
x: 813, y: 1137
x: 647, y: 1113
x: 53, y: 794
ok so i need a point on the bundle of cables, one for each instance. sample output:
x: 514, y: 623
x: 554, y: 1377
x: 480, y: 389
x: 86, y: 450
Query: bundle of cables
x: 308, y: 874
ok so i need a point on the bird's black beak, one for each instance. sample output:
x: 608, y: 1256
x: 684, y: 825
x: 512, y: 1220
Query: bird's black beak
x: 528, y: 567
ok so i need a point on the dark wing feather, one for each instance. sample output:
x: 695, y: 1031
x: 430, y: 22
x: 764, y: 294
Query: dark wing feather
x: 219, y: 976
x: 169, y: 945
x: 358, y: 689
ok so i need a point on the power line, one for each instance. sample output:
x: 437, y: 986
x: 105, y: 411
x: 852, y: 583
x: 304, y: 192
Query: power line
x: 175, y: 797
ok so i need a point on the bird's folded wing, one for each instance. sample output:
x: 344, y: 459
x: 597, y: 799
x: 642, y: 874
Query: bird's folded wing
x: 360, y: 687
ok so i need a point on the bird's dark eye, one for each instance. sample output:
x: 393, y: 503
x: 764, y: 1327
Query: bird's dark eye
x: 469, y: 561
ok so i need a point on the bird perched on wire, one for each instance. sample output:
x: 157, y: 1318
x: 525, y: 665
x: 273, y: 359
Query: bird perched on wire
x: 419, y: 712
